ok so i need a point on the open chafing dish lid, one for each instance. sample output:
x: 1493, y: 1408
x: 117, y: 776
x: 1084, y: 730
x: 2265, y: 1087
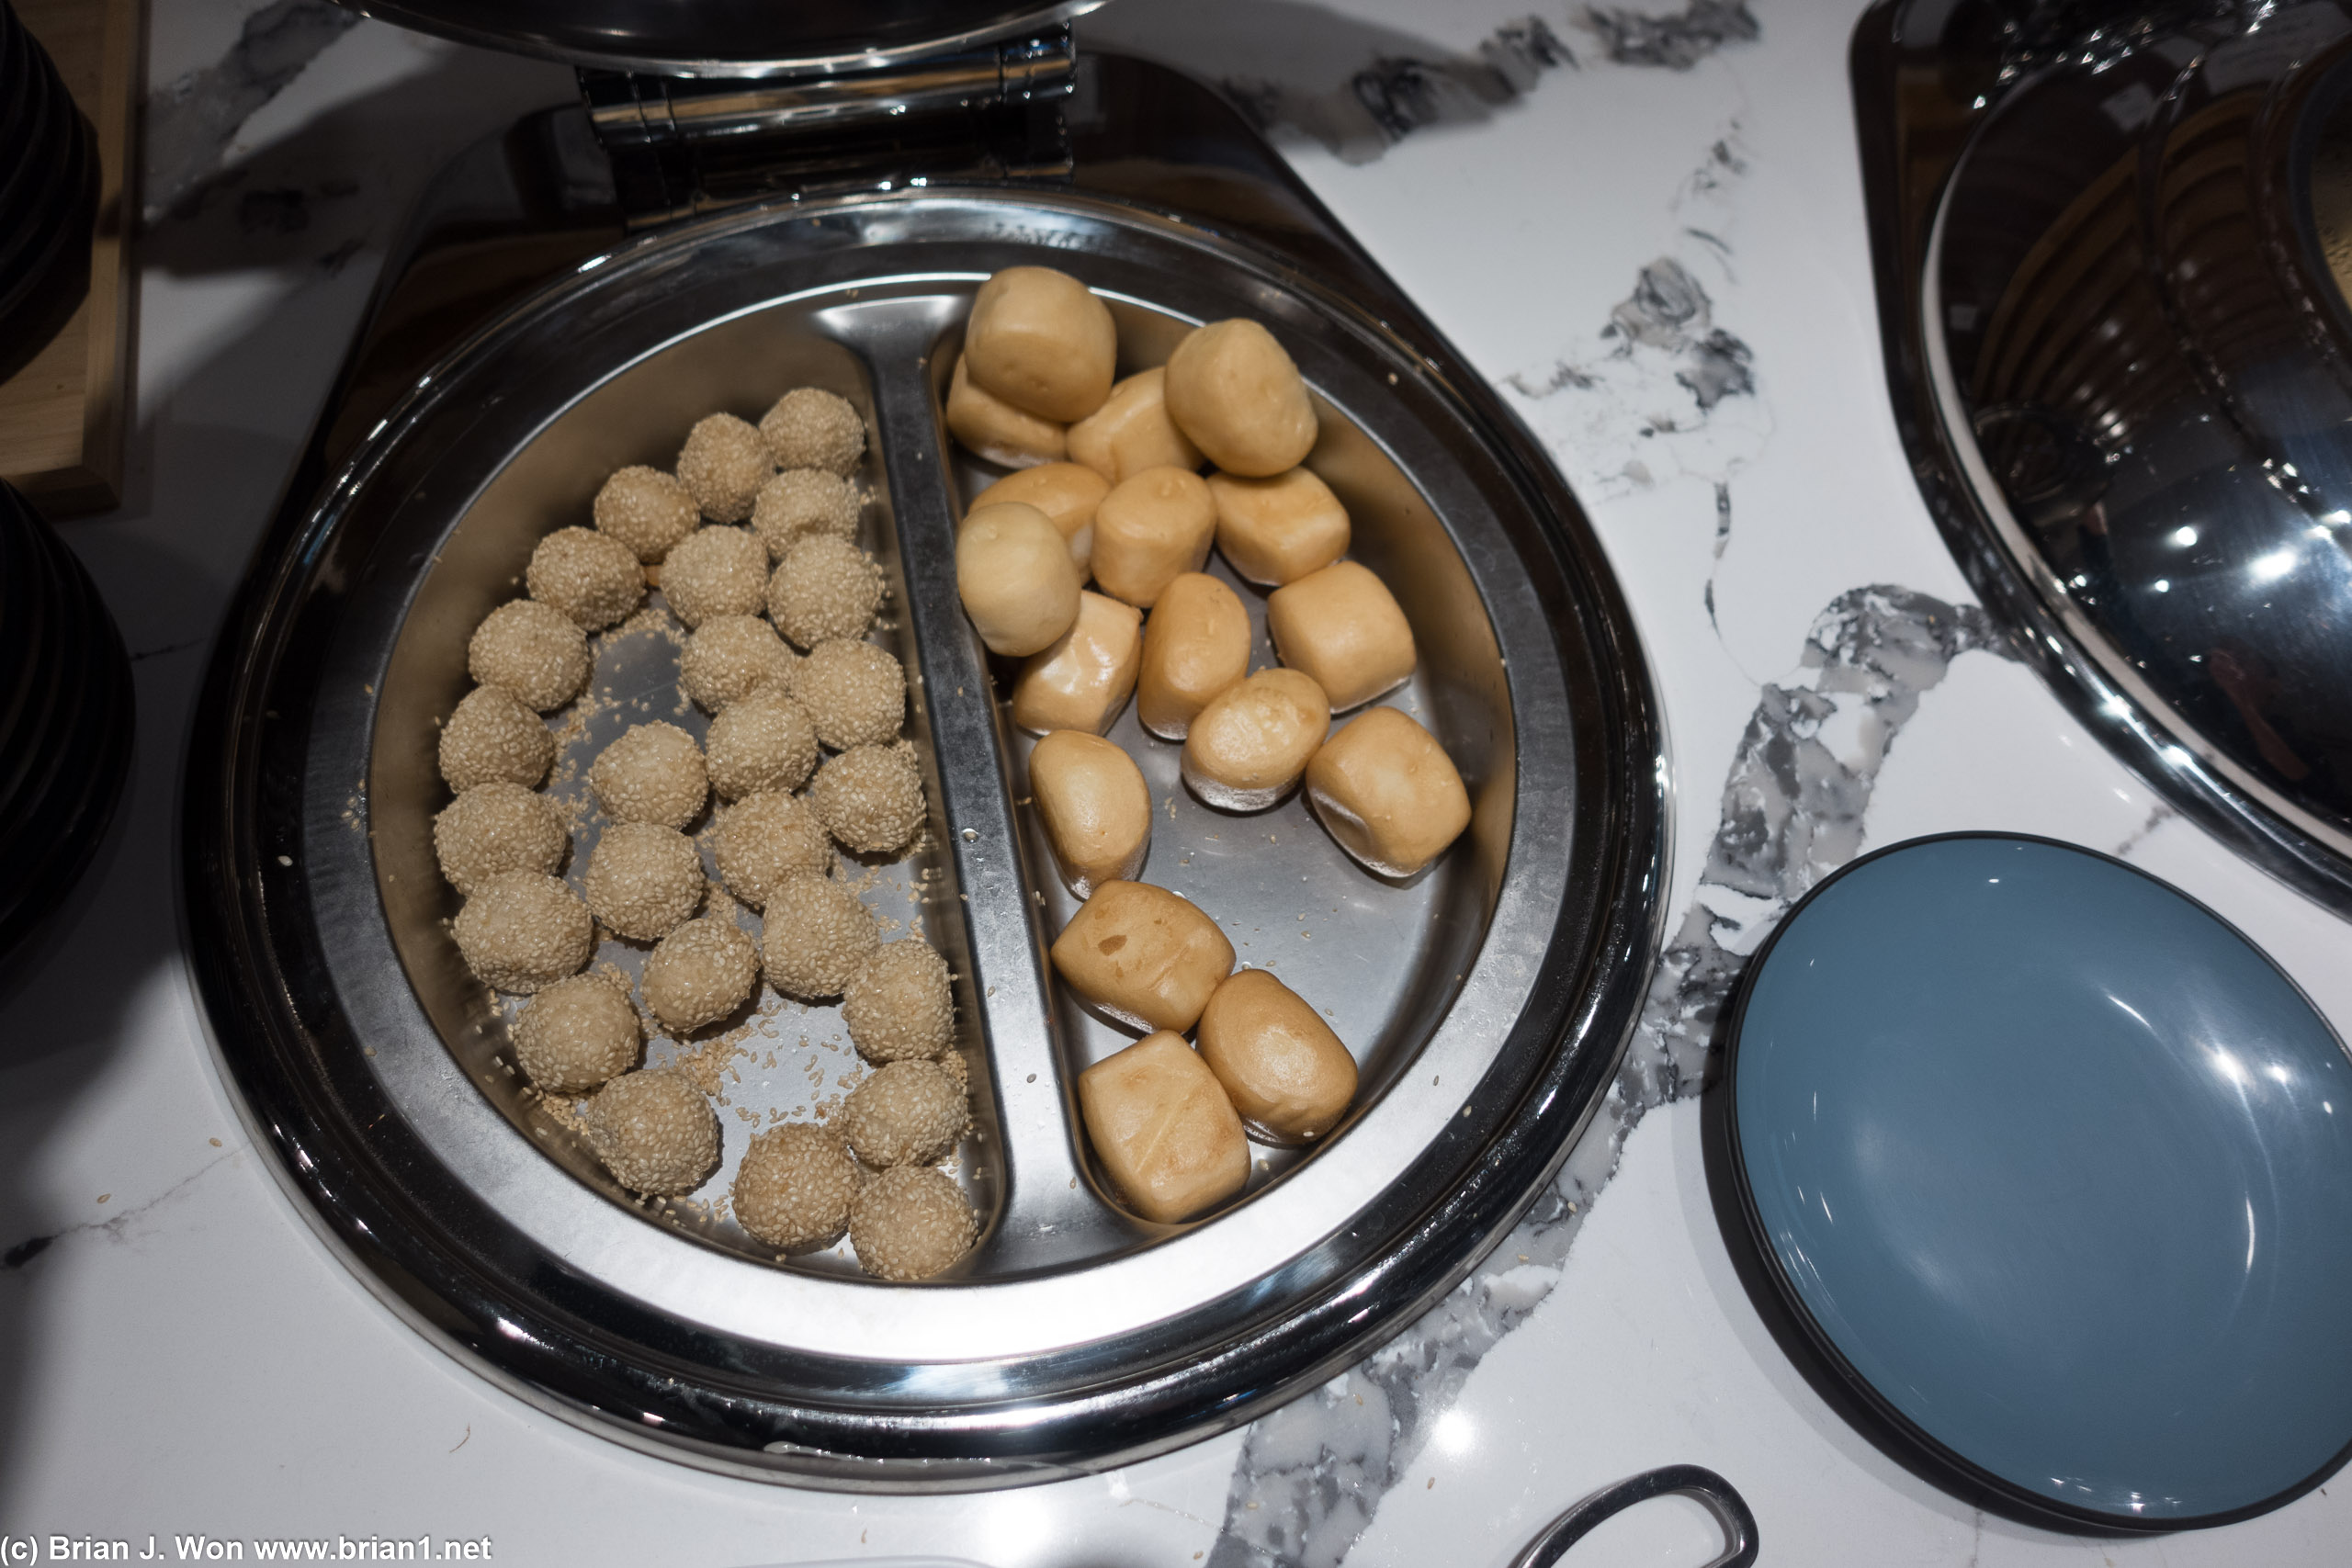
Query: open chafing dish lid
x: 725, y: 37
x: 2121, y: 294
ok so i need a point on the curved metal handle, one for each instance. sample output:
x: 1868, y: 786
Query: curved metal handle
x: 1689, y: 1480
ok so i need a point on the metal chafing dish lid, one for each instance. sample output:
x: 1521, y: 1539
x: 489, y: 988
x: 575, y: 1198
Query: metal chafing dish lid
x: 725, y: 37
x: 2122, y: 313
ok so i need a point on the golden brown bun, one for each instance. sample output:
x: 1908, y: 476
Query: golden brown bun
x: 1282, y: 1066
x: 1388, y: 793
x: 1342, y: 626
x: 1195, y: 646
x: 1095, y: 806
x: 1143, y: 955
x: 1084, y: 680
x: 1163, y: 1128
x: 1234, y: 390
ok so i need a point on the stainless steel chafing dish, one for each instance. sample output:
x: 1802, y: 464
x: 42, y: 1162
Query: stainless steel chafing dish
x: 2112, y: 257
x: 1487, y: 1001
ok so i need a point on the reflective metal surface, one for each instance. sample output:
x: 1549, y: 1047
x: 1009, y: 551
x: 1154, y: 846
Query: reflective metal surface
x: 1702, y: 1485
x: 2121, y: 357
x: 2050, y: 1162
x: 725, y: 37
x: 1037, y: 67
x: 683, y: 146
x: 1488, y: 1002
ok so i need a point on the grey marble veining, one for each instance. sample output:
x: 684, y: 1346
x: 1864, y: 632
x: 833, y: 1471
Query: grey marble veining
x: 1358, y: 89
x: 1677, y: 42
x: 1662, y: 389
x: 191, y: 120
x: 1668, y: 311
x: 1311, y: 1475
x: 325, y: 187
x: 2158, y: 815
x: 1404, y: 89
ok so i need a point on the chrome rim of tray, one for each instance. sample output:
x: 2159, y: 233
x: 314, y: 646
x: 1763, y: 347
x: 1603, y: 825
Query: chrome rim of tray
x: 1075, y: 1335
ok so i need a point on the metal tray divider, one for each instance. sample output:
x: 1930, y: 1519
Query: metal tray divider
x: 1051, y: 1212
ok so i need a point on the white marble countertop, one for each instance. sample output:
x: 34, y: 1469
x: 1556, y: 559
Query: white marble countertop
x: 183, y: 1358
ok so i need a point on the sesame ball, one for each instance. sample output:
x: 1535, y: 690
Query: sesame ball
x: 715, y: 571
x: 653, y: 774
x: 825, y: 588
x: 907, y: 1113
x: 644, y: 880
x: 654, y: 1132
x: 811, y: 428
x: 910, y: 1222
x: 497, y: 827
x: 730, y: 656
x: 646, y: 510
x: 493, y: 736
x: 816, y: 936
x: 870, y: 798
x: 523, y: 932
x: 700, y: 974
x: 763, y: 742
x: 532, y: 649
x: 795, y: 1186
x: 577, y: 1033
x: 762, y: 839
x: 723, y: 465
x: 804, y: 501
x: 896, y: 1005
x: 592, y: 577
x: 854, y: 692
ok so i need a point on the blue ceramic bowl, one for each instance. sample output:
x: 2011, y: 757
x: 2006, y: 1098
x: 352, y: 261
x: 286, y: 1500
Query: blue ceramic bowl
x: 2057, y: 1167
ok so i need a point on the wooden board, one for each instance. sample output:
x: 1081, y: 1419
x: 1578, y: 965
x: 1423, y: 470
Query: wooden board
x: 63, y: 416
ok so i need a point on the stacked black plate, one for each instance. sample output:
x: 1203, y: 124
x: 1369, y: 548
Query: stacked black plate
x: 65, y: 718
x: 49, y: 185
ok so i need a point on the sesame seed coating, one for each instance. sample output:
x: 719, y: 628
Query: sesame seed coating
x: 493, y: 736
x: 811, y: 428
x: 910, y: 1222
x: 524, y: 930
x: 765, y: 838
x: 897, y: 1005
x: 591, y: 577
x: 644, y: 880
x: 653, y: 774
x: 576, y: 1033
x: 824, y: 588
x: 731, y: 656
x: 795, y: 1186
x: 715, y: 571
x: 654, y: 1132
x: 700, y: 974
x: 646, y: 510
x: 870, y: 798
x: 816, y: 935
x: 855, y: 693
x: 804, y: 501
x: 532, y: 649
x: 723, y: 465
x: 762, y: 742
x: 907, y: 1113
x: 497, y: 827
